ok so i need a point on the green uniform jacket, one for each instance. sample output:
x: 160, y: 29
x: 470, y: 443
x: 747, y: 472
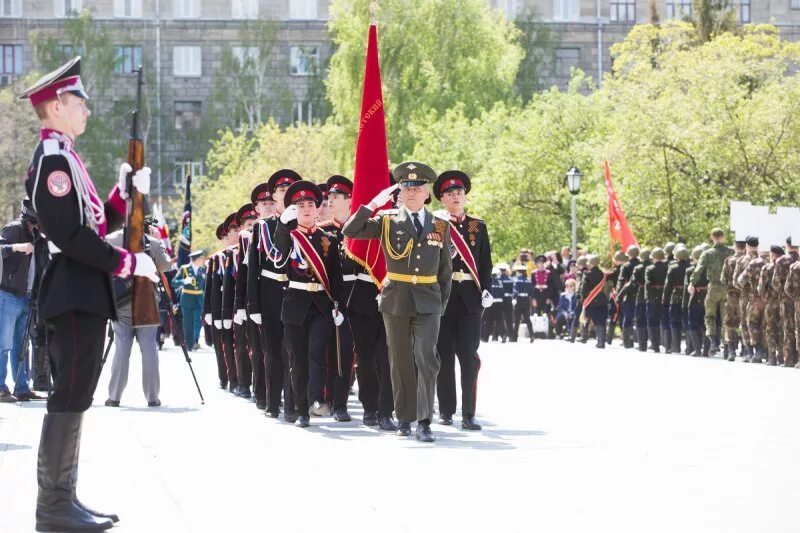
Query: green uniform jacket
x: 711, y: 264
x: 429, y: 256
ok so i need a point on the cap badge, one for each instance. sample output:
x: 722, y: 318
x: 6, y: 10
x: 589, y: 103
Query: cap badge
x: 412, y: 176
x: 411, y: 166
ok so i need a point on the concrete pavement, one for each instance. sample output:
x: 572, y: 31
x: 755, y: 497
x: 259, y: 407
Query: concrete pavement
x: 574, y: 439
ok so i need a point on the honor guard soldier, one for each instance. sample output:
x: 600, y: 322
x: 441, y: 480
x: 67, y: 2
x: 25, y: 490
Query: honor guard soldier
x: 267, y: 272
x: 212, y: 287
x: 311, y: 304
x: 595, y: 301
x: 521, y: 298
x: 416, y: 246
x: 655, y: 277
x: 673, y: 295
x: 581, y: 267
x: 75, y: 295
x: 626, y: 295
x: 695, y: 304
x: 496, y: 326
x: 227, y: 285
x: 460, y: 329
x: 190, y: 281
x: 782, y: 266
x: 614, y: 308
x: 641, y: 303
x: 245, y: 217
x: 710, y: 265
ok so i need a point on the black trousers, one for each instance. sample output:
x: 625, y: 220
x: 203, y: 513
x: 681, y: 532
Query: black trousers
x: 230, y: 356
x: 256, y: 361
x: 493, y: 321
x: 337, y: 388
x: 372, y: 370
x: 307, y: 345
x: 459, y: 336
x: 507, y: 312
x: 244, y: 368
x: 522, y: 312
x: 276, y: 365
x: 216, y: 341
x: 598, y: 315
x: 76, y: 351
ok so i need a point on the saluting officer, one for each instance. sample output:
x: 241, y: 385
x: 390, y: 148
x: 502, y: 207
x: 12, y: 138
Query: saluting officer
x: 416, y: 246
x: 75, y: 295
x: 311, y: 304
x: 460, y: 329
x: 191, y: 282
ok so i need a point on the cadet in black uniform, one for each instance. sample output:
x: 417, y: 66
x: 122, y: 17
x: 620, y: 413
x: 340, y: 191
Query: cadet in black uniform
x: 267, y: 271
x: 655, y: 276
x: 227, y: 285
x: 310, y: 306
x: 507, y: 308
x: 614, y: 307
x: 75, y: 295
x: 626, y: 295
x: 211, y: 293
x: 595, y: 301
x: 460, y: 328
x: 673, y: 295
x: 493, y: 316
x: 641, y: 304
x: 521, y: 294
x: 245, y: 217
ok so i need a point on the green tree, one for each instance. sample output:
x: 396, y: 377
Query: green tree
x: 714, y: 16
x: 434, y: 54
x: 20, y: 127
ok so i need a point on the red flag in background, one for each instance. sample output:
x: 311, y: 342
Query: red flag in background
x: 371, y: 173
x: 617, y: 223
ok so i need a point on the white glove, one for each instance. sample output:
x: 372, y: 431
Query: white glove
x: 208, y: 319
x: 187, y: 281
x: 227, y: 324
x: 514, y: 302
x: 378, y: 298
x: 218, y: 324
x: 241, y: 316
x: 256, y: 317
x: 338, y: 318
x: 141, y: 180
x: 486, y: 299
x: 289, y: 215
x: 145, y: 267
x: 384, y: 196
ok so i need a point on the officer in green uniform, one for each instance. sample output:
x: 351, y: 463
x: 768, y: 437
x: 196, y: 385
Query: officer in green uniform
x: 710, y: 265
x: 191, y: 282
x: 419, y: 273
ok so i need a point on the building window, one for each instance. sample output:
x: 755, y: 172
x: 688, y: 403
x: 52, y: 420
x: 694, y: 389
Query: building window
x: 743, y: 11
x: 127, y: 59
x: 245, y: 55
x: 302, y: 113
x: 304, y: 60
x: 244, y: 9
x: 186, y: 168
x: 566, y: 10
x: 303, y: 9
x: 10, y: 8
x: 186, y: 61
x: 679, y: 9
x: 566, y: 59
x: 12, y: 62
x: 67, y: 8
x: 622, y: 11
x: 186, y: 9
x: 187, y: 115
x: 795, y: 4
x: 128, y: 8
x: 509, y: 8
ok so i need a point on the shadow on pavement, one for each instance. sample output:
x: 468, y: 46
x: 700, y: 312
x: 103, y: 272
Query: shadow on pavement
x: 163, y: 409
x: 12, y: 447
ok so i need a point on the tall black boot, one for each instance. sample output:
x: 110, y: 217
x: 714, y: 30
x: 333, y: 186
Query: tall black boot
x: 601, y: 337
x: 573, y: 331
x: 584, y: 333
x: 689, y: 343
x: 610, y: 328
x: 732, y: 351
x: 675, y: 337
x: 55, y: 506
x: 714, y: 341
x: 113, y: 516
x: 641, y: 335
x: 747, y: 353
x: 706, y: 345
x: 655, y: 339
x: 697, y: 342
x: 758, y: 354
x: 627, y: 334
x: 666, y: 339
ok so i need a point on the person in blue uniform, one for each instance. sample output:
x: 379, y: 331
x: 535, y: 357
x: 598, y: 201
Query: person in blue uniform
x: 191, y: 282
x: 521, y: 294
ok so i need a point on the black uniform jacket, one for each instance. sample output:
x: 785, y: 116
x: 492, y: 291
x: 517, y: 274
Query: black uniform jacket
x: 465, y: 293
x: 265, y: 294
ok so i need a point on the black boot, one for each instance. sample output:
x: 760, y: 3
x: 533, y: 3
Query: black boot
x: 758, y: 354
x: 747, y: 353
x: 676, y: 340
x: 584, y: 333
x: 697, y: 343
x: 601, y: 338
x: 610, y: 329
x: 731, y: 351
x: 641, y: 334
x: 55, y: 506
x: 573, y: 332
x: 627, y: 336
x: 666, y: 339
x: 706, y: 345
x: 689, y: 343
x: 113, y: 516
x: 714, y: 341
x: 655, y: 339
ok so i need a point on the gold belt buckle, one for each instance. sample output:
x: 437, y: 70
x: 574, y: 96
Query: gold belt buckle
x: 313, y: 287
x: 458, y: 276
x: 414, y: 279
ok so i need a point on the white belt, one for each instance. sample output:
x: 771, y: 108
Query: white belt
x: 353, y: 277
x: 310, y: 287
x: 462, y: 276
x: 272, y: 275
x: 497, y: 300
x: 541, y: 287
x: 53, y: 248
x: 522, y: 294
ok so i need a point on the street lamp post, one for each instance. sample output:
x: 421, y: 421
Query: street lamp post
x: 573, y: 180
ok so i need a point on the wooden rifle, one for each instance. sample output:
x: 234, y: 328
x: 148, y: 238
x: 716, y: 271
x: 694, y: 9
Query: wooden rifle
x: 145, y: 309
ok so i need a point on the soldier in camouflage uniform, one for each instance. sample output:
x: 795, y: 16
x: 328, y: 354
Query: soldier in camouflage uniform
x: 792, y: 290
x: 748, y: 279
x: 773, y: 332
x: 655, y: 276
x: 641, y: 300
x: 751, y: 253
x: 732, y: 311
x: 782, y: 266
x: 695, y: 302
x: 626, y: 295
x: 710, y: 265
x: 673, y: 295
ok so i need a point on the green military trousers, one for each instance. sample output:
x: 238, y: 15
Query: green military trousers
x: 716, y: 299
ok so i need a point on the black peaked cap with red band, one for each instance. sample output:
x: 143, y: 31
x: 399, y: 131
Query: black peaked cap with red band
x: 246, y: 212
x: 282, y: 177
x: 302, y: 190
x: 451, y: 179
x: 339, y: 184
x: 261, y: 192
x: 323, y: 188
